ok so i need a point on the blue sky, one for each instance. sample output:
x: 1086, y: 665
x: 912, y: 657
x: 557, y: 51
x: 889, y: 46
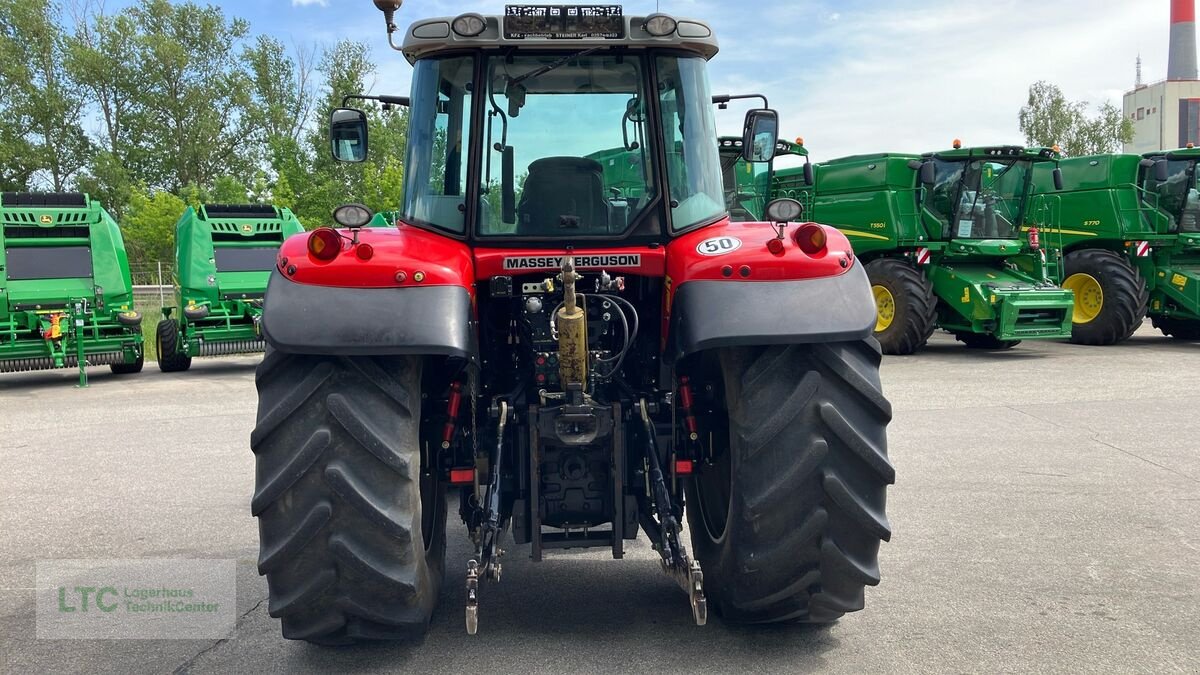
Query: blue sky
x: 851, y: 76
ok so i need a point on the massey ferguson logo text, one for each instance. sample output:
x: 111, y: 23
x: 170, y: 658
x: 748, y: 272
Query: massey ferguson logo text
x: 533, y: 262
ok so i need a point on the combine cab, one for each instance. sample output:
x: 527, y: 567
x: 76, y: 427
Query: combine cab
x: 66, y: 298
x: 1130, y: 234
x: 748, y: 185
x: 223, y: 258
x: 585, y: 352
x: 940, y: 237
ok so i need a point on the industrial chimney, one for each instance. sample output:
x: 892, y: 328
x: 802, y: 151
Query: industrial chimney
x: 1181, y: 64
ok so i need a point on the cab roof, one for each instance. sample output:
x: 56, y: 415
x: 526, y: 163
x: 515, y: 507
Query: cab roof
x: 1035, y: 153
x: 428, y: 37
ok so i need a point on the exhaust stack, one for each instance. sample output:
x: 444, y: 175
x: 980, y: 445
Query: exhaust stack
x: 1181, y: 63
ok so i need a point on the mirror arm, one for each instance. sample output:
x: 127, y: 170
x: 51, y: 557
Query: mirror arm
x: 382, y: 98
x: 723, y: 100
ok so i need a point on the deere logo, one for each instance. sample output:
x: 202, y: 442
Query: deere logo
x: 247, y: 228
x: 47, y: 220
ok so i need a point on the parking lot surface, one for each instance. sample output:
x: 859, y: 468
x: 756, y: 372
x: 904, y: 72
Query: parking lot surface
x: 1046, y: 517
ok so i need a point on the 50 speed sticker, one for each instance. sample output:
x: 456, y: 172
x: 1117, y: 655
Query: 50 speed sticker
x: 718, y: 246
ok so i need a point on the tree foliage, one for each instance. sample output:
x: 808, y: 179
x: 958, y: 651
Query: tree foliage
x: 1049, y: 118
x: 169, y: 103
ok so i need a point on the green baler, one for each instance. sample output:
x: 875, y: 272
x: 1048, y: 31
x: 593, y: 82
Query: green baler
x: 1129, y: 230
x: 940, y: 234
x: 223, y: 257
x: 66, y: 296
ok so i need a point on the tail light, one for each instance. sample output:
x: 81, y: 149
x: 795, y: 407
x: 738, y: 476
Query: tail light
x: 364, y: 251
x: 811, y: 238
x: 324, y: 243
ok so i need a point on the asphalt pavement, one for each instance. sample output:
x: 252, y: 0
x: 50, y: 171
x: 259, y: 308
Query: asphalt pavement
x: 1046, y: 518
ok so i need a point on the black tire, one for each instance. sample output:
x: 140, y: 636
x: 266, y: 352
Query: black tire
x: 128, y: 368
x: 351, y: 542
x: 1122, y: 304
x: 170, y: 359
x: 915, y: 305
x: 1180, y: 329
x: 984, y: 341
x: 786, y: 520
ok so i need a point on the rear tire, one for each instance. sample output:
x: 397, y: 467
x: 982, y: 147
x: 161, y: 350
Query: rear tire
x: 787, y: 519
x: 905, y: 305
x: 985, y: 341
x: 340, y: 501
x: 170, y: 359
x: 1180, y: 329
x: 1110, y: 296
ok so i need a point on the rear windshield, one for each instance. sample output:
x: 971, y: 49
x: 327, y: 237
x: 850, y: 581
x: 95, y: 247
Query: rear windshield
x: 259, y: 259
x: 48, y: 262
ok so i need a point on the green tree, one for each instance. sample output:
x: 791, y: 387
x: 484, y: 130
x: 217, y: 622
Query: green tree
x: 40, y: 109
x: 1049, y: 118
x: 172, y: 90
x: 149, y: 225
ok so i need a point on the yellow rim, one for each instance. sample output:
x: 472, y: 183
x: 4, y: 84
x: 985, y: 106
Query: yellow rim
x: 1089, y: 296
x: 885, y: 308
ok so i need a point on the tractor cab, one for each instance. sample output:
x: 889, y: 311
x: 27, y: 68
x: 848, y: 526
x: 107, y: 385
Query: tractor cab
x: 544, y: 126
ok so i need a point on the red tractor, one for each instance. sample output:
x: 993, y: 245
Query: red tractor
x: 579, y: 349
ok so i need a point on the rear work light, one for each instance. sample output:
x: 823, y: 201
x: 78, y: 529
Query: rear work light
x: 811, y: 238
x: 324, y: 243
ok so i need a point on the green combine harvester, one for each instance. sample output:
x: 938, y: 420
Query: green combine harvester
x: 66, y: 296
x: 941, y: 237
x: 748, y: 186
x: 223, y: 258
x: 1129, y: 231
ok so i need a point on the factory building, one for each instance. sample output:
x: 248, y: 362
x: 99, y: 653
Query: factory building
x: 1166, y: 114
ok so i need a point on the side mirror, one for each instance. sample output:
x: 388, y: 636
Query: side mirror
x: 348, y: 134
x: 808, y: 174
x: 760, y: 135
x: 1160, y: 170
x: 928, y: 173
x: 1058, y: 181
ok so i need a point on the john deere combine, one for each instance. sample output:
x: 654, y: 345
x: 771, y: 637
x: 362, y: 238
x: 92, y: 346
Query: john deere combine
x: 223, y: 258
x: 940, y: 234
x: 66, y: 297
x: 1130, y: 233
x: 748, y: 185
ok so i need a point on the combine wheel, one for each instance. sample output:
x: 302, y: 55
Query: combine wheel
x: 1110, y: 297
x: 170, y: 359
x: 1180, y: 329
x: 906, y: 308
x: 351, y: 530
x: 787, y: 517
x: 985, y: 341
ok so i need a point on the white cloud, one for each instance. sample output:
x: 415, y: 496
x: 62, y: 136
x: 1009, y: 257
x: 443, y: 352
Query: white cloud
x: 904, y: 77
x: 306, y: 3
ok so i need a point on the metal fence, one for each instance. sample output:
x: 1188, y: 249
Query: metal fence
x: 153, y: 280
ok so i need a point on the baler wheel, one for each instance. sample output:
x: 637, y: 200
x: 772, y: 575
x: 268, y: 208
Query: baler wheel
x: 352, y: 527
x: 905, y: 305
x: 170, y: 359
x: 1110, y: 296
x: 128, y: 368
x: 1180, y: 329
x: 787, y: 518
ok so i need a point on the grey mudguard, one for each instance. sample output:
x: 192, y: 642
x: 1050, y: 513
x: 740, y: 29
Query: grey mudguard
x: 307, y: 319
x: 711, y: 314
